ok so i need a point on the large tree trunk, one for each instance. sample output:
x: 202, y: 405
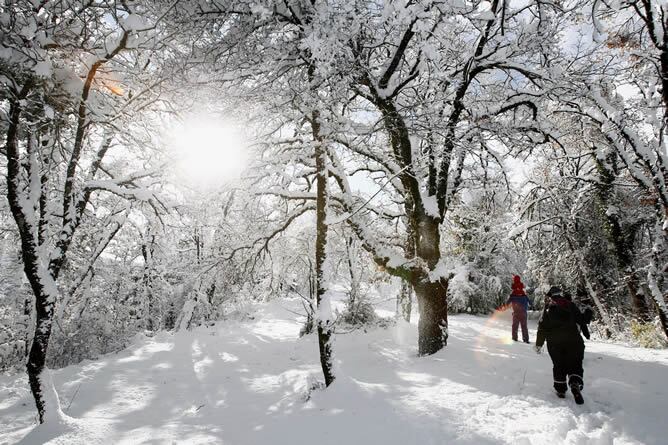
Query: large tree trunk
x: 431, y: 295
x: 433, y: 324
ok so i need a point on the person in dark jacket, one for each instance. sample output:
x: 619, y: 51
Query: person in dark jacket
x: 520, y: 304
x: 561, y: 325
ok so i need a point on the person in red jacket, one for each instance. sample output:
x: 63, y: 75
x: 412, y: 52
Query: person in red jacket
x: 520, y: 304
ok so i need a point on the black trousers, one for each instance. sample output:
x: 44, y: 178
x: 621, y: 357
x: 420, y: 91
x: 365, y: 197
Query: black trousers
x: 567, y: 360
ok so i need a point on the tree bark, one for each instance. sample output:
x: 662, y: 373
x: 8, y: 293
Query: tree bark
x: 658, y: 270
x: 431, y: 295
x: 632, y: 281
x: 433, y: 324
x: 147, y: 249
x: 37, y: 356
x: 659, y: 298
x: 324, y: 327
x: 405, y: 301
x: 664, y: 80
x: 44, y: 298
x: 354, y: 279
x: 620, y: 239
x: 424, y: 232
x: 405, y: 297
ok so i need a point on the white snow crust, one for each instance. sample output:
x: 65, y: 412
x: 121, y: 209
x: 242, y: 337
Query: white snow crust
x: 247, y: 381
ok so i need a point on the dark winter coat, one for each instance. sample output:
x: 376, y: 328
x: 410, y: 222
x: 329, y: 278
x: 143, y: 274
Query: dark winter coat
x: 562, y: 323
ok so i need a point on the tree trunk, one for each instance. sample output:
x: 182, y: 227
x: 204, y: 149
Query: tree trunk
x: 632, y: 281
x: 405, y: 297
x: 405, y: 301
x: 433, y: 324
x: 658, y: 270
x: 323, y: 307
x: 354, y: 279
x: 621, y: 241
x: 658, y: 297
x: 431, y: 295
x: 45, y: 293
x: 421, y: 226
x: 37, y: 355
x: 41, y: 386
x: 607, y: 321
x: 27, y: 313
x: 664, y: 82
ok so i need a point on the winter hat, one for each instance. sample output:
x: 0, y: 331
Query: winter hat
x: 518, y: 286
x: 554, y: 292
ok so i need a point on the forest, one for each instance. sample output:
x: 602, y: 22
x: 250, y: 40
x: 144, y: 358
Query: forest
x: 179, y: 169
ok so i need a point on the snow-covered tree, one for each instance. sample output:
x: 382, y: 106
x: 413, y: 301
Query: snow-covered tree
x: 74, y: 79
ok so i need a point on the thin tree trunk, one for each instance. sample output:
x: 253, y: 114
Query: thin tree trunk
x: 37, y: 356
x: 656, y: 277
x: 405, y: 297
x: 664, y: 78
x: 582, y: 268
x: 27, y: 313
x: 632, y: 281
x: 354, y: 279
x: 45, y: 293
x: 607, y: 321
x: 405, y: 301
x: 659, y: 299
x: 147, y: 282
x: 46, y: 399
x: 324, y: 327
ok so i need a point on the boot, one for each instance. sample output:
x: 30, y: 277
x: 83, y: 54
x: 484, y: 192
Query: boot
x: 577, y: 394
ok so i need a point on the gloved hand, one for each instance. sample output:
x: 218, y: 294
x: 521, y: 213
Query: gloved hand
x: 538, y: 349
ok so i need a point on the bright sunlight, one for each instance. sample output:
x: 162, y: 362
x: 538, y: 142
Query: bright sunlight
x: 208, y: 152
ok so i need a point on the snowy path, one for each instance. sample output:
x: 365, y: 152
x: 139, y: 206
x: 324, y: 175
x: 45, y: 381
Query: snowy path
x: 244, y: 382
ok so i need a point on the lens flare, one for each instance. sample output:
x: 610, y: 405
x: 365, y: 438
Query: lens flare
x: 207, y: 151
x: 496, y: 332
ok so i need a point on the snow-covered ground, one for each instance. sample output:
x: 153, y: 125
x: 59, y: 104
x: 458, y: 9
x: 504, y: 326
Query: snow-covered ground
x: 245, y: 382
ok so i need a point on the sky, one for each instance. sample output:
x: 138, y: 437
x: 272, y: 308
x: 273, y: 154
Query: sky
x: 207, y: 151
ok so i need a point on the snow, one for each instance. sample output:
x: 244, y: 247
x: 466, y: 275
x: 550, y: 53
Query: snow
x: 247, y: 382
x: 134, y: 22
x: 443, y: 269
x: 324, y: 310
x: 519, y: 229
x: 430, y: 205
x: 43, y: 68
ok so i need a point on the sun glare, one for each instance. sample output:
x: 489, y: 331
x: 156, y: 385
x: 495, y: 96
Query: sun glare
x: 208, y: 152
